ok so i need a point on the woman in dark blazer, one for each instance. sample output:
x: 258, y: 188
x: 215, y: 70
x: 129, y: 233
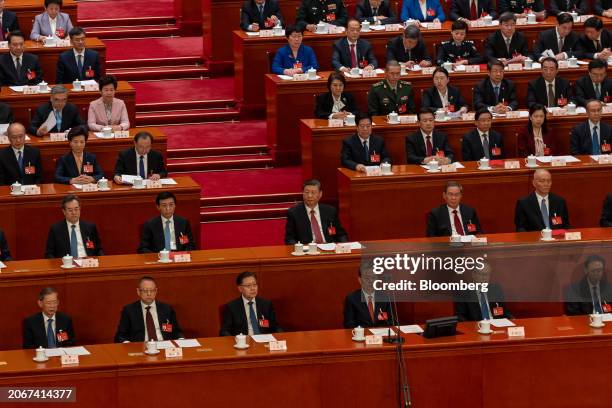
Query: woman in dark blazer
x: 335, y: 104
x: 535, y: 139
x: 78, y: 166
x: 454, y: 100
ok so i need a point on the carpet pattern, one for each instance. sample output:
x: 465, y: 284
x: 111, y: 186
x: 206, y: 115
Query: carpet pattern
x: 208, y: 135
x: 184, y: 90
x: 117, y: 9
x: 152, y: 48
x: 217, y: 235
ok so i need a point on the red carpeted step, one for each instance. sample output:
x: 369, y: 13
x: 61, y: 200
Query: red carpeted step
x: 153, y: 52
x: 245, y: 212
x: 250, y: 199
x: 117, y: 10
x: 123, y: 32
x: 216, y: 151
x: 159, y: 93
x: 216, y: 135
x: 195, y: 71
x: 219, y: 163
x: 187, y: 116
x: 216, y: 235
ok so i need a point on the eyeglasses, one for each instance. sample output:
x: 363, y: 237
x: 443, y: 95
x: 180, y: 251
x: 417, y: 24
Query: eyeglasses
x: 147, y: 291
x: 251, y: 286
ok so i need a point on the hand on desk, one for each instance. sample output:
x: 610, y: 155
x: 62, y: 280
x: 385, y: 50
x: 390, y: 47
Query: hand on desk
x: 425, y: 63
x: 604, y: 54
x: 117, y: 179
x: 340, y: 115
x: 82, y: 179
x: 293, y: 71
x: 311, y: 27
x: 154, y: 177
x: 42, y: 131
x: 360, y: 168
x: 500, y: 108
x: 255, y: 27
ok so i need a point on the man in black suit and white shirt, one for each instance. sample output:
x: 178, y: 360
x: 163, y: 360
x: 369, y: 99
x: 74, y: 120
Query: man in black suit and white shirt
x: 506, y: 44
x: 495, y: 92
x: 363, y: 148
x: 592, y: 293
x: 352, y: 51
x: 595, y: 85
x: 452, y: 218
x: 549, y: 89
x: 169, y: 231
x: 558, y: 7
x: 593, y: 136
x: 606, y: 212
x: 19, y: 68
x: 541, y: 209
x: 365, y: 306
x: 147, y: 319
x: 595, y: 42
x: 561, y: 40
x: 10, y: 22
x: 19, y: 162
x: 409, y: 48
x: 50, y: 328
x: 377, y: 12
x: 249, y: 314
x: 79, y: 62
x: 73, y: 236
x: 469, y: 10
x: 482, y: 141
x: 427, y: 144
x: 311, y: 221
x: 258, y: 15
x: 140, y: 160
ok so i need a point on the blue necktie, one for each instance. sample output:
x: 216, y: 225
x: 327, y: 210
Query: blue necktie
x: 20, y: 162
x: 484, y: 307
x: 366, y: 152
x: 141, y: 169
x: 58, y: 121
x: 50, y: 334
x: 254, y: 322
x: 74, y: 249
x: 167, y: 237
x: 544, y: 211
x: 595, y: 142
x: 80, y: 66
x: 497, y: 94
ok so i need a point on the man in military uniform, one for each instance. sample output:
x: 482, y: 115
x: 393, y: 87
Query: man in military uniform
x: 312, y: 12
x: 391, y: 95
x: 521, y: 8
x: 459, y: 50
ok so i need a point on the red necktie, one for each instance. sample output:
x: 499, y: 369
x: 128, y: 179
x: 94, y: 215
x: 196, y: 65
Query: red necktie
x: 353, y: 57
x: 458, y: 226
x: 473, y: 11
x: 429, y: 146
x: 315, y: 228
x: 371, y: 308
x: 150, y: 325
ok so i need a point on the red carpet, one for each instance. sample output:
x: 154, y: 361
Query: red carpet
x: 183, y: 90
x: 233, y: 234
x: 152, y: 48
x: 246, y: 133
x: 121, y: 9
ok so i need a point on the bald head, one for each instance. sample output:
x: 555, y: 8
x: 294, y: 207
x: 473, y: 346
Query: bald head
x: 542, y: 181
x: 594, y: 110
x: 16, y: 134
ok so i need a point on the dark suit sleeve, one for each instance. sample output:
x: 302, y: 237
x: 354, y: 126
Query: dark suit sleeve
x: 244, y: 18
x: 531, y: 94
x: 342, y: 16
x: 431, y: 225
x: 554, y: 8
x: 120, y: 167
x: 274, y: 327
x: 97, y: 241
x: 70, y: 330
x: 29, y: 340
x: 301, y: 16
x: 146, y: 239
x: 177, y: 332
x: 448, y: 150
x: 320, y: 111
x: 359, y: 14
x: 427, y: 101
x: 572, y: 305
x: 520, y: 218
x: 291, y: 228
x: 351, y: 104
x: 98, y: 172
x: 346, y: 157
x: 60, y: 71
x: 5, y: 253
x: 50, y: 250
x: 341, y: 235
x: 123, y: 330
x: 370, y: 56
x: 227, y: 323
x: 61, y: 171
x: 162, y: 166
x: 96, y: 66
x: 461, y: 310
x: 454, y: 11
x: 37, y: 120
x: 606, y: 213
x: 489, y: 48
x: 411, y: 153
x: 476, y: 222
x: 39, y: 73
x: 575, y: 147
x: 565, y: 215
x: 336, y: 56
x: 478, y: 98
x: 191, y: 245
x: 466, y: 150
x: 385, y: 157
x: 513, y: 101
x: 350, y: 321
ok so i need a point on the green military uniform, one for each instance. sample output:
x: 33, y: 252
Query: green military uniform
x: 383, y: 100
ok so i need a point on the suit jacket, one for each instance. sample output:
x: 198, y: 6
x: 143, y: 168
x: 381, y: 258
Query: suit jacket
x: 528, y: 217
x: 526, y: 143
x: 364, y: 12
x: 297, y: 228
x: 9, y: 167
x: 6, y: 114
x: 235, y: 319
x: 152, y: 239
x: 325, y: 103
x: 585, y: 48
x: 431, y: 98
x: 132, y: 325
x: 599, y: 6
x: 42, y: 25
x: 9, y: 22
x: 67, y: 70
x: 412, y: 9
x: 356, y: 311
x: 35, y: 332
x: 518, y: 6
x: 249, y: 14
x: 328, y: 11
x: 96, y: 116
x: 484, y: 94
x: 581, y: 141
x: 416, y: 151
x: 352, y: 152
x: 5, y: 253
x: 585, y: 90
x: 70, y: 118
x: 547, y: 40
x: 66, y: 168
x: 439, y: 222
x: 341, y: 56
x: 126, y: 163
x: 495, y: 46
x: 537, y: 91
x: 58, y: 241
x: 397, y: 51
x: 9, y: 75
x: 561, y: 6
x: 471, y: 146
x: 578, y: 299
x: 461, y: 8
x: 606, y: 212
x: 467, y: 307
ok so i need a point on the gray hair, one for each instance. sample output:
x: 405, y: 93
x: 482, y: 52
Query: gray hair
x: 58, y: 89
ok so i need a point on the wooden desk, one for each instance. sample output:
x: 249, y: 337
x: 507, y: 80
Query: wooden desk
x: 24, y: 106
x: 118, y: 214
x: 28, y: 9
x: 106, y: 150
x: 321, y: 144
x: 321, y: 369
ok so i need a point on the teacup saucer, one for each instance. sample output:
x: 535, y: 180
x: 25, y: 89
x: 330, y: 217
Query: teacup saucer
x: 433, y: 170
x: 547, y: 240
x: 485, y: 168
x: 151, y: 354
x: 393, y: 123
x: 531, y: 166
x: 16, y: 193
x: 358, y: 338
x: 597, y: 326
x: 241, y: 347
x: 387, y: 174
x: 104, y: 189
x: 298, y: 253
x: 314, y: 252
x: 485, y: 332
x: 160, y: 261
x: 77, y: 90
x: 40, y: 361
x: 67, y: 267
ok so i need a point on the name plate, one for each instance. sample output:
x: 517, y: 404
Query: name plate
x: 515, y: 67
x: 604, y: 159
x: 477, y: 23
x: 512, y: 164
x: 122, y: 134
x: 521, y: 21
x: 448, y: 168
x: 57, y: 137
x: 406, y: 119
x: 513, y: 114
x: 69, y: 360
x: 373, y: 340
x: 87, y: 188
x: 173, y: 352
x: 335, y: 123
x: 559, y: 112
x: 63, y: 43
x: 280, y: 345
x: 182, y: 258
x: 584, y: 18
x: 472, y: 68
x: 154, y: 184
x: 266, y: 33
x: 29, y: 90
x: 468, y: 116
x: 31, y: 190
x: 4, y: 139
x: 479, y: 241
x: 300, y: 77
x: 91, y: 88
x: 436, y: 25
x: 392, y: 27
x: 558, y: 162
x: 573, y: 236
x: 428, y: 70
x: 369, y: 73
x: 4, y: 45
x: 343, y: 248
x: 563, y: 64
x: 517, y: 331
x: 90, y: 263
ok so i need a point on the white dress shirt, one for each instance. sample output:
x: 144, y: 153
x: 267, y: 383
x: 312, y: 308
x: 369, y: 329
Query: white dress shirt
x: 172, y: 235
x: 245, y: 302
x: 338, y: 105
x: 53, y: 324
x: 53, y: 25
x: 146, y: 157
x: 76, y: 56
x: 451, y: 215
x: 153, y: 311
x: 540, y: 198
x: 423, y: 5
x: 443, y: 97
x: 80, y: 246
x: 318, y: 217
x: 16, y: 151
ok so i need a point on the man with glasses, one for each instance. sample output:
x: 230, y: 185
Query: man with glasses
x: 452, y: 217
x: 363, y: 148
x: 50, y: 328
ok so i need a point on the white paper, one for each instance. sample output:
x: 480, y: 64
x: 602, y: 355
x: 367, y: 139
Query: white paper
x: 89, y: 82
x: 606, y: 317
x: 501, y: 323
x: 524, y: 114
x: 597, y: 156
x: 327, y: 247
x: 381, y: 331
x: 3, y: 128
x: 356, y: 245
x: 549, y: 159
x: 411, y: 328
x: 77, y: 351
x: 54, y: 352
x: 583, y: 63
x: 128, y: 178
x: 581, y: 110
x: 187, y: 343
x: 17, y: 88
x: 263, y: 338
x: 458, y: 165
x: 164, y: 344
x: 2, y: 265
x: 379, y: 71
x: 79, y: 262
x: 285, y: 77
x: 253, y: 34
x: 548, y: 53
x: 377, y: 27
x: 467, y: 238
x: 168, y: 181
x: 50, y: 122
x: 78, y: 186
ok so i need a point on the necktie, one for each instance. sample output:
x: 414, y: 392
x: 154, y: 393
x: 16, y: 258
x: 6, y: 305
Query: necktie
x: 74, y: 245
x: 353, y: 57
x: 560, y: 44
x: 508, y: 46
x: 167, y: 237
x: 597, y: 45
x: 428, y: 146
x: 50, y: 334
x: 366, y: 152
x: 58, y: 121
x: 410, y: 54
x: 20, y: 162
x: 18, y: 67
x: 261, y: 10
x: 80, y: 65
x: 150, y: 325
x: 484, y: 306
x: 141, y: 169
x: 314, y: 224
x: 597, y: 92
x: 375, y: 11
x: 473, y: 11
x: 496, y: 90
x: 595, y: 142
x: 551, y: 96
x: 485, y: 145
x: 1, y: 32
x: 544, y: 212
x: 457, y: 222
x: 253, y: 318
x: 596, y: 300
x: 371, y: 308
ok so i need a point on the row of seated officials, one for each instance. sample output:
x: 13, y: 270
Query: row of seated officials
x: 50, y: 23
x: 149, y: 319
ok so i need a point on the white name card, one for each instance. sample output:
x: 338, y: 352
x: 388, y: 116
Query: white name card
x: 448, y: 168
x: 369, y: 73
x: 280, y: 345
x: 57, y: 137
x: 428, y: 70
x: 573, y: 236
x: 122, y: 134
x: 343, y: 248
x: 521, y: 21
x: 373, y: 340
x: 607, y: 109
x: 266, y: 33
x: 469, y: 116
x: 517, y: 331
x: 513, y: 114
x: 472, y: 68
x: 69, y: 359
x: 182, y: 258
x: 392, y: 27
x: 87, y: 188
x: 479, y: 241
x: 29, y: 90
x: 434, y: 25
x: 173, y: 352
x: 512, y: 164
x: 604, y: 159
x: 300, y: 77
x: 91, y: 88
x: 559, y: 112
x: 4, y: 45
x: 4, y: 139
x: 335, y: 123
x: 31, y: 190
x: 477, y: 23
x: 558, y: 162
x: 406, y: 119
x: 154, y: 184
x: 515, y: 67
x: 90, y: 263
x: 563, y: 64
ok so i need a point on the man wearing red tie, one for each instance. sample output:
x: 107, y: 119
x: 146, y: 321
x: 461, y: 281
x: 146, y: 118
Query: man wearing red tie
x: 310, y: 221
x: 452, y: 218
x: 365, y: 307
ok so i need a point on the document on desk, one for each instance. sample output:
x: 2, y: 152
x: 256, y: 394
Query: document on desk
x: 2, y: 265
x: 332, y: 246
x: 16, y: 88
x: 607, y: 317
x: 262, y: 338
x: 128, y: 178
x: 411, y: 328
x: 76, y: 351
x: 168, y: 182
x: 549, y: 159
x: 164, y: 344
x: 187, y: 343
x: 501, y: 323
x: 383, y: 331
x: 54, y: 352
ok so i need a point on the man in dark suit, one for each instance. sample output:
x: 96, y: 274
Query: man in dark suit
x: 495, y: 93
x: 66, y: 114
x: 561, y: 36
x: 10, y: 22
x: 78, y: 63
x: 147, y: 319
x: 427, y: 144
x: 606, y: 212
x: 593, y: 136
x: 169, y: 231
x: 506, y: 44
x: 409, y: 48
x: 476, y: 305
x: 595, y: 85
x: 558, y: 7
x: 482, y: 141
x: 365, y: 307
x: 363, y: 148
x: 521, y: 8
x: 5, y: 253
x: 258, y: 15
x: 452, y: 218
x: 19, y: 162
x: 592, y: 293
x: 541, y: 209
x: 595, y: 42
x: 73, y: 236
x: 472, y: 10
x: 549, y: 89
x: 376, y: 12
x: 249, y: 314
x: 603, y: 8
x: 19, y: 68
x: 140, y: 160
x: 352, y: 51
x: 311, y: 221
x: 50, y: 328
x: 313, y: 11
